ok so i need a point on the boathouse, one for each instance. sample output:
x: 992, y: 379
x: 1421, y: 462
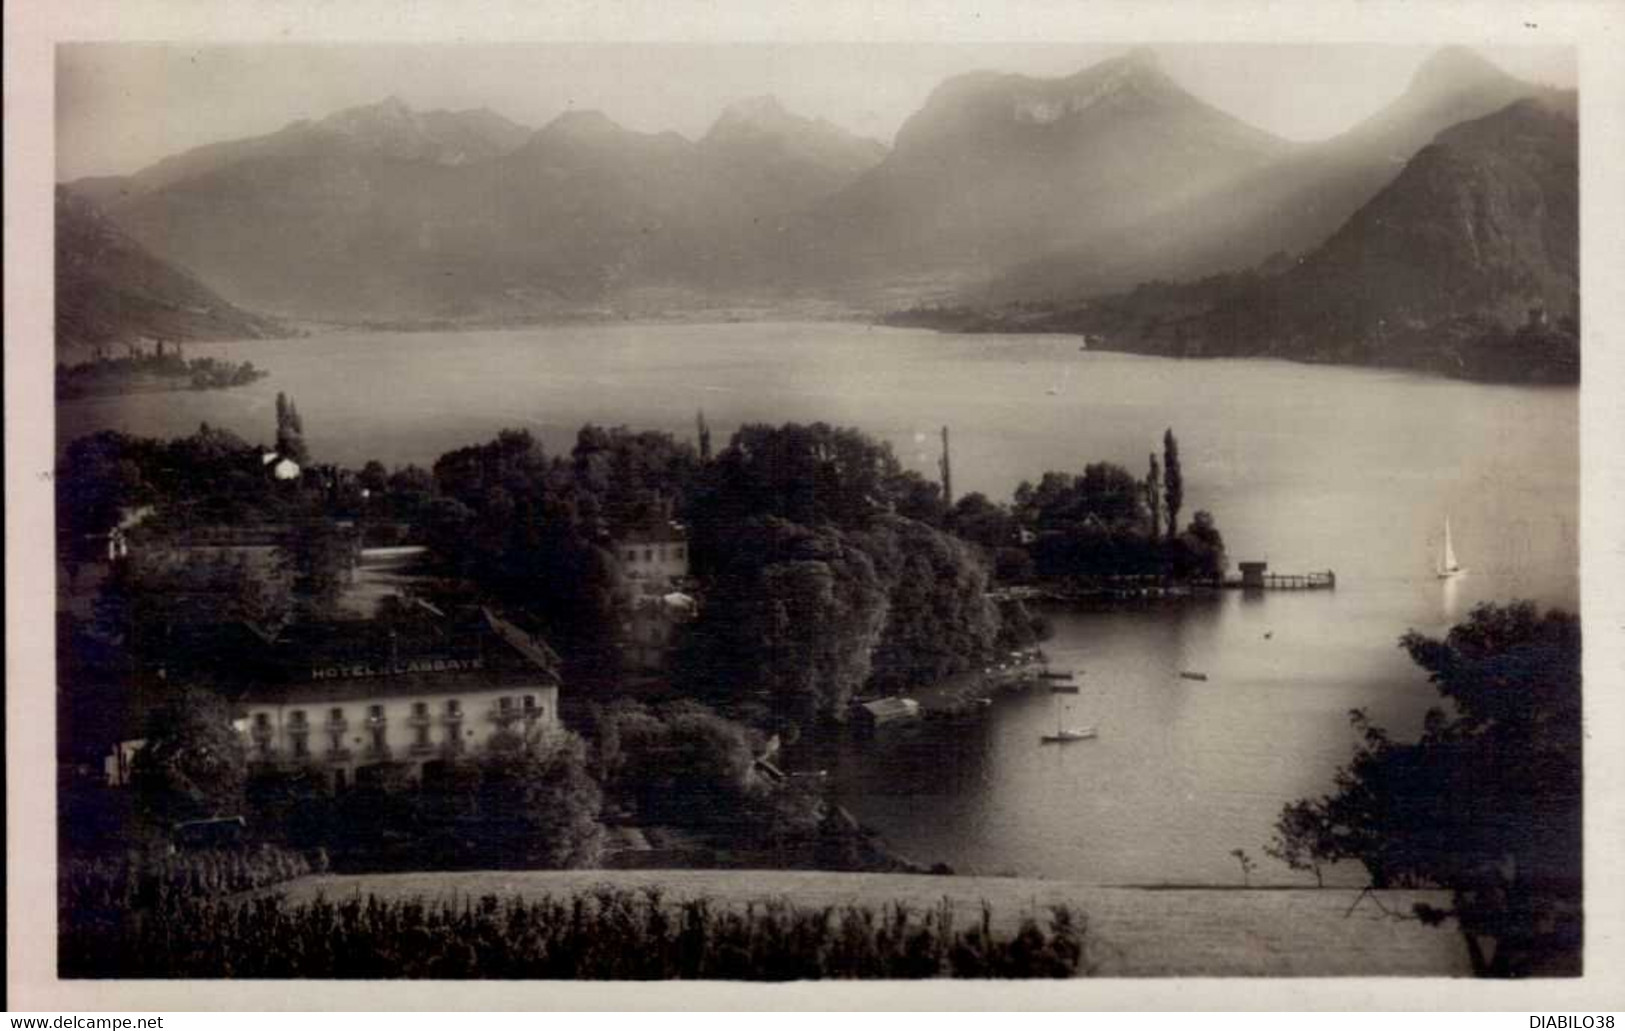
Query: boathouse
x: 1252, y: 575
x: 887, y: 710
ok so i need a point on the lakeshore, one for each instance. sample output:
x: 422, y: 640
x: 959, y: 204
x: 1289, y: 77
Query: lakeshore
x: 1183, y: 771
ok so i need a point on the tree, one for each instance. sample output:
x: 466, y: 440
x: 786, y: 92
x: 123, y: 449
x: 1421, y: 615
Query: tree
x: 1106, y: 496
x: 1247, y: 866
x: 100, y: 476
x: 680, y: 763
x: 811, y: 475
x: 160, y: 605
x: 193, y: 764
x: 513, y: 462
x: 1109, y: 494
x: 917, y: 498
x: 373, y: 477
x: 634, y: 479
x: 1199, y: 553
x: 1486, y: 804
x: 1173, y: 481
x: 944, y: 464
x: 1301, y: 836
x: 939, y: 620
x: 318, y: 557
x: 290, y: 430
x: 1153, y: 496
x: 793, y: 611
x: 703, y: 435
x: 537, y: 804
x: 980, y: 521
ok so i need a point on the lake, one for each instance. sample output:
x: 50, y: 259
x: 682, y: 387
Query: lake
x: 1306, y: 467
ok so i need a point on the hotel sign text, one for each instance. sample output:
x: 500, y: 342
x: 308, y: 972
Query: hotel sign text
x: 397, y: 669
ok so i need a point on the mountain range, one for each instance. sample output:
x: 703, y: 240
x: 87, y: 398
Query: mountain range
x: 1001, y: 190
x: 1466, y: 264
x: 1289, y: 205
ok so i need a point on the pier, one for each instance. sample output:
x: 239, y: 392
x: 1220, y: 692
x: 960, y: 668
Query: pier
x: 971, y: 691
x: 1254, y: 576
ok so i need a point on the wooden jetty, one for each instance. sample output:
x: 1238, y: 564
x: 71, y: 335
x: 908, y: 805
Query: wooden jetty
x: 1255, y: 576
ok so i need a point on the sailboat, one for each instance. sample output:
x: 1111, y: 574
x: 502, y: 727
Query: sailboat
x: 1064, y: 734
x: 1448, y: 566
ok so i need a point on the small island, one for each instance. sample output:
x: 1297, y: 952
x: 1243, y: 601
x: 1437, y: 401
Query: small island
x: 141, y: 371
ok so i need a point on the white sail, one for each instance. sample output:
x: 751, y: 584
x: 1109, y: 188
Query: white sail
x: 1447, y: 562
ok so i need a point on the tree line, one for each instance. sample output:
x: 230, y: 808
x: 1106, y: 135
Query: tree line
x: 827, y: 570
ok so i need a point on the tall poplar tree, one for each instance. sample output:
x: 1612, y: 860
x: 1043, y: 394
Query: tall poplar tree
x: 704, y: 430
x: 1153, y: 496
x: 290, y: 430
x: 1173, y: 480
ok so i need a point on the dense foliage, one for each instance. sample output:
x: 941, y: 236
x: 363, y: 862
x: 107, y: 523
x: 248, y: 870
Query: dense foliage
x: 792, y: 611
x: 678, y: 764
x: 535, y: 533
x: 193, y: 764
x: 812, y: 475
x: 1486, y: 803
x: 525, y: 802
x: 939, y: 620
x: 824, y: 569
x: 603, y: 935
x: 827, y: 573
x: 1106, y: 524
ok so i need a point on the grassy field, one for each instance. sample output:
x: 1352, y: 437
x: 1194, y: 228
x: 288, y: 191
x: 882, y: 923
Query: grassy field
x: 1135, y: 932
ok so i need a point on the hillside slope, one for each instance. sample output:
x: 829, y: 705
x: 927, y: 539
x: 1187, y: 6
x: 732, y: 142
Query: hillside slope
x: 1467, y: 264
x: 1293, y: 205
x: 110, y: 289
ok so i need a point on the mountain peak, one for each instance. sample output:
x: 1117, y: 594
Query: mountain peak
x: 1454, y: 70
x: 762, y: 115
x: 582, y: 123
x: 753, y: 109
x: 1142, y: 57
x: 389, y: 112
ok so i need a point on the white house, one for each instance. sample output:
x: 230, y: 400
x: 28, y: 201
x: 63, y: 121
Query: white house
x: 654, y: 560
x: 280, y: 467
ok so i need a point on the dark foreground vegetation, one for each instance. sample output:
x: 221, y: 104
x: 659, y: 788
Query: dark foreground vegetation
x: 174, y: 920
x: 1486, y: 803
x: 97, y: 893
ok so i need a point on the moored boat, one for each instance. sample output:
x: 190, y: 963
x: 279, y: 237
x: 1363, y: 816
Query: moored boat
x: 1065, y: 733
x: 1069, y: 734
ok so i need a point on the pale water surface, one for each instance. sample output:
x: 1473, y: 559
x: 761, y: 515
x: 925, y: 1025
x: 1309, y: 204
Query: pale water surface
x: 1308, y: 467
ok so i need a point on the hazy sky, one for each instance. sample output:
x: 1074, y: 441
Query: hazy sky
x: 121, y: 107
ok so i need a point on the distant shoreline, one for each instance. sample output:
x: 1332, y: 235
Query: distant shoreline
x: 950, y: 323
